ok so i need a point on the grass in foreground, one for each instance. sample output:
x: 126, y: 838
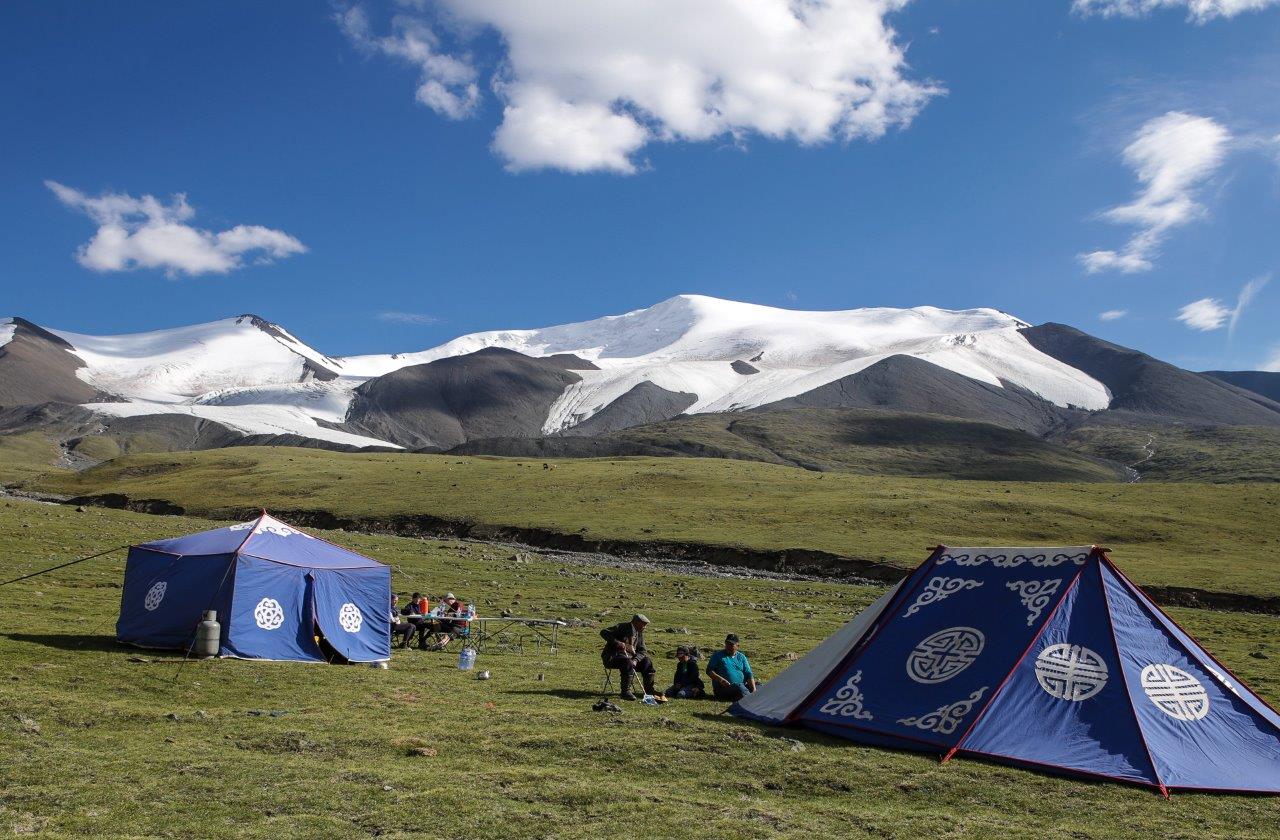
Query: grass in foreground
x: 1220, y: 538
x: 94, y: 743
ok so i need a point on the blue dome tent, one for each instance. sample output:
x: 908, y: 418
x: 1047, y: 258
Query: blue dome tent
x: 1047, y: 658
x: 273, y: 587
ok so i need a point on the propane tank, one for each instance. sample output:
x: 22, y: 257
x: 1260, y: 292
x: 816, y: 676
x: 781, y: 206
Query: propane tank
x: 208, y: 635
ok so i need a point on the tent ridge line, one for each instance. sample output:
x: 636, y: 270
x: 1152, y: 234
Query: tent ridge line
x: 1035, y: 637
x: 1115, y: 645
x: 862, y: 644
x: 252, y: 531
x: 1147, y: 599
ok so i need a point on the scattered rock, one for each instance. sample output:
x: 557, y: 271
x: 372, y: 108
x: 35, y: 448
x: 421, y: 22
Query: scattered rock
x: 793, y: 744
x: 428, y: 752
x: 28, y: 724
x: 743, y: 735
x: 171, y: 716
x: 682, y: 631
x: 1257, y: 654
x: 202, y: 714
x: 79, y: 508
x: 788, y: 656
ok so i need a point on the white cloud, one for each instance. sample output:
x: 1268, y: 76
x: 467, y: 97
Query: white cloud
x: 586, y: 84
x: 1112, y: 314
x: 1246, y: 296
x: 1171, y: 155
x: 1273, y: 363
x: 1205, y: 314
x: 447, y: 85
x: 1199, y: 11
x: 407, y: 318
x: 147, y: 233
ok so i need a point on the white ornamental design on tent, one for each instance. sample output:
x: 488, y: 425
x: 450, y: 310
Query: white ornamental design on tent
x: 1035, y: 595
x: 268, y: 615
x: 937, y: 589
x: 271, y: 527
x: 1012, y: 561
x: 945, y: 719
x: 1071, y: 672
x: 155, y: 595
x: 1175, y: 692
x: 349, y: 617
x: 939, y: 657
x: 847, y: 701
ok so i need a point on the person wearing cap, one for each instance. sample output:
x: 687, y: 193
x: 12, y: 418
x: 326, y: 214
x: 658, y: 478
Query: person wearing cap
x: 624, y: 651
x: 687, y: 683
x: 730, y: 672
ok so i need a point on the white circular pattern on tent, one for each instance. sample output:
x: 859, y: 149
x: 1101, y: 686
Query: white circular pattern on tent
x: 349, y: 617
x: 1175, y: 692
x: 1071, y: 672
x: 155, y: 595
x: 944, y: 654
x: 268, y: 614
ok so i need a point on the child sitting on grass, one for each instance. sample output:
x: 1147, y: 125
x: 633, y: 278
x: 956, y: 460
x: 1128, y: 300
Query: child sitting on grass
x: 688, y: 681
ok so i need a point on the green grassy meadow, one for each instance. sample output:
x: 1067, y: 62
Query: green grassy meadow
x: 1217, y: 537
x: 93, y: 742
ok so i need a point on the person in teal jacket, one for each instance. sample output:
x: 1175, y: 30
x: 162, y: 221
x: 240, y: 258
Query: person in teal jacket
x: 730, y: 672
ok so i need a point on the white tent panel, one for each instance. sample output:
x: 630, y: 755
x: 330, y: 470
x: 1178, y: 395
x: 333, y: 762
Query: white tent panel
x: 777, y: 698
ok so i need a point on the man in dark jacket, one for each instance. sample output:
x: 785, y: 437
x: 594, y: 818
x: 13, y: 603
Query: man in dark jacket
x: 624, y: 651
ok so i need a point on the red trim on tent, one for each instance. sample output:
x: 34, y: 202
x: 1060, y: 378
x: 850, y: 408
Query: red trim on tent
x: 309, y: 568
x: 1152, y: 601
x: 867, y: 638
x: 1115, y: 645
x: 1075, y: 581
x: 979, y: 754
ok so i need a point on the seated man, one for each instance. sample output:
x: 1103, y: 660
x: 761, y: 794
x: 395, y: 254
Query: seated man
x: 688, y: 682
x: 415, y: 613
x: 624, y: 651
x: 399, y: 628
x: 730, y: 672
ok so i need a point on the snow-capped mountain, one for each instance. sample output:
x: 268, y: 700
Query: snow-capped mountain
x: 688, y: 354
x: 688, y: 344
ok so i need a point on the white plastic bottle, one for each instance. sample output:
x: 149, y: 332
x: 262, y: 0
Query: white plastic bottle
x: 467, y: 659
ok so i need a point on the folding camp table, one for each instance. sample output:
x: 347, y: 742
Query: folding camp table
x: 498, y: 633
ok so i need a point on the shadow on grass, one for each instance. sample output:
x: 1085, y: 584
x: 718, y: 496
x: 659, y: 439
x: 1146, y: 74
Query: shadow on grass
x: 80, y: 641
x: 564, y: 693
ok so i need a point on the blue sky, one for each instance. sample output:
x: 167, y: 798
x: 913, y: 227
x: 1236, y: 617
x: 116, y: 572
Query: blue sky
x: 1004, y: 137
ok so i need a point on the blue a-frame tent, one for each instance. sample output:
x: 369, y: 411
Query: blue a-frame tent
x: 273, y: 587
x: 1044, y: 657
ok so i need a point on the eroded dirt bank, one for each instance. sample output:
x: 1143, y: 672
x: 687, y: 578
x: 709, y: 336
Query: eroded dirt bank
x: 697, y: 558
